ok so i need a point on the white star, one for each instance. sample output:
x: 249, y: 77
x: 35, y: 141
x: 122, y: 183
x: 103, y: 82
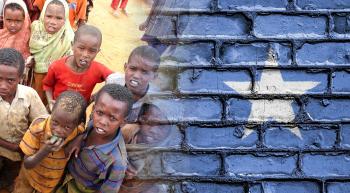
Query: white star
x: 271, y: 82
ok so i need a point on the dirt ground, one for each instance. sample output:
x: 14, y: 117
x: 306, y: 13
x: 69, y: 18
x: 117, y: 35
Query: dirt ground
x: 120, y: 34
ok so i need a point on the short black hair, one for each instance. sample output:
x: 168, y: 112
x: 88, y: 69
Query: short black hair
x: 90, y: 30
x: 14, y: 7
x: 72, y: 102
x: 146, y: 53
x: 117, y: 92
x: 11, y: 57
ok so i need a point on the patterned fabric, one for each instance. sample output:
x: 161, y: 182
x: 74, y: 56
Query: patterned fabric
x: 100, y: 167
x: 46, y: 47
x: 46, y: 175
x: 16, y: 117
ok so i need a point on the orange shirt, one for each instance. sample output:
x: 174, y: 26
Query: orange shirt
x: 77, y: 9
x: 45, y: 176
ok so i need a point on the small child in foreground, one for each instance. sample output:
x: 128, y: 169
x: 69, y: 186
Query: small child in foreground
x: 44, y: 142
x: 101, y: 164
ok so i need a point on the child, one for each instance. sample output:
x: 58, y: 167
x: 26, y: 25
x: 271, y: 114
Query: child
x: 51, y: 39
x: 140, y: 70
x: 16, y: 30
x: 43, y: 143
x: 79, y: 71
x: 101, y: 163
x: 19, y: 106
x: 77, y: 11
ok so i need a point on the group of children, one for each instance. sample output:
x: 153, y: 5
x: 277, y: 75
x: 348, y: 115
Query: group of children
x: 58, y: 152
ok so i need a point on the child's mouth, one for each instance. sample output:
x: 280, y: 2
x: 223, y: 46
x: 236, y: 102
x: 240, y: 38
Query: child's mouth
x: 100, y: 131
x: 134, y: 83
x: 83, y: 62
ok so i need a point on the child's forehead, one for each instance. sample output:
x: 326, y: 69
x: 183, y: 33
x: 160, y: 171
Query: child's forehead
x: 143, y: 62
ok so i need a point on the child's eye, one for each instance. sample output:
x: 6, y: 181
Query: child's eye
x: 99, y: 112
x: 10, y: 81
x: 112, y: 118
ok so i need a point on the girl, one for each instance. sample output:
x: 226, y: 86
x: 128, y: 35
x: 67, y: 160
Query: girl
x: 16, y: 30
x: 51, y: 39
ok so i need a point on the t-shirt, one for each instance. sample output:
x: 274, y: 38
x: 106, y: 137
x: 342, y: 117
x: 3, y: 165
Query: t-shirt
x: 16, y: 117
x: 60, y: 78
x: 45, y: 176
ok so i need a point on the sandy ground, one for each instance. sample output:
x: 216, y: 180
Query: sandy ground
x: 120, y: 34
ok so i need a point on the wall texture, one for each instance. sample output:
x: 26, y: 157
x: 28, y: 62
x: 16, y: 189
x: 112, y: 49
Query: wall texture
x: 258, y: 97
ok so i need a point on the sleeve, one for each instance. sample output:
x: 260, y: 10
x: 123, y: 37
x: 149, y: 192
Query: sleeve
x: 104, y: 71
x: 81, y: 10
x: 30, y: 143
x: 37, y: 107
x: 50, y: 78
x: 114, y: 176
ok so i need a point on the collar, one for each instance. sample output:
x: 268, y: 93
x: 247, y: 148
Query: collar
x: 107, y: 147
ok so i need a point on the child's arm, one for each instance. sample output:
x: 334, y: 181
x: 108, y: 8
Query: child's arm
x: 114, y: 179
x: 10, y: 146
x: 49, y: 97
x: 74, y: 146
x: 50, y: 146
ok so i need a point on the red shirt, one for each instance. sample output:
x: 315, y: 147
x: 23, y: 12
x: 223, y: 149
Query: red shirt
x: 60, y: 78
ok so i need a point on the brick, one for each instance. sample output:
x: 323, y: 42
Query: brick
x: 193, y: 109
x: 271, y: 81
x: 326, y: 165
x: 342, y: 24
x: 337, y: 187
x: 201, y: 5
x: 202, y: 81
x: 191, y: 165
x: 260, y: 165
x: 323, y: 4
x: 300, y: 138
x: 164, y: 27
x: 225, y: 137
x: 295, y: 27
x: 344, y: 136
x: 201, y: 26
x: 255, y: 188
x: 253, y: 5
x: 194, y: 187
x: 256, y: 54
x: 329, y: 53
x: 340, y: 82
x: 262, y: 110
x: 196, y: 54
x: 328, y: 109
x: 165, y: 81
x: 291, y: 187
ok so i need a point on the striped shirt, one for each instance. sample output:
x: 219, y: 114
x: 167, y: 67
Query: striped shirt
x: 45, y: 176
x: 100, y: 167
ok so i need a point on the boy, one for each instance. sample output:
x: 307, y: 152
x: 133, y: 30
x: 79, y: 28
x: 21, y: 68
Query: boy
x: 100, y: 166
x: 78, y: 72
x: 140, y: 70
x: 19, y: 106
x: 45, y: 158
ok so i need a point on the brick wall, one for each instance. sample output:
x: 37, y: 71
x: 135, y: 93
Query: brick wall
x: 258, y: 94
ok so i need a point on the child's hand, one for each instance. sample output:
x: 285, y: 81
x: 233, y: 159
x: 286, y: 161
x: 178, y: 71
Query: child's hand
x: 29, y: 63
x: 143, y: 26
x: 53, y: 144
x: 74, y: 146
x: 130, y: 172
x: 51, y: 104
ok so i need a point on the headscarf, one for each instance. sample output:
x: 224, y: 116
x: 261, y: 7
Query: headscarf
x: 46, y: 47
x: 18, y: 41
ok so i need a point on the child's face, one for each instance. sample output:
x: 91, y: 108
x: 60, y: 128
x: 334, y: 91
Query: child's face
x: 54, y: 18
x: 13, y: 20
x: 108, y: 116
x: 85, y: 49
x: 9, y: 79
x: 62, y: 123
x: 138, y: 74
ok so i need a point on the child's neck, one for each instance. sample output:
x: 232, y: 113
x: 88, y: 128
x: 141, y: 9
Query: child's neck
x: 95, y: 139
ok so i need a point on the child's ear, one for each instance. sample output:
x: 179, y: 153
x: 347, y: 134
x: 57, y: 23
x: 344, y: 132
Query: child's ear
x: 125, y: 66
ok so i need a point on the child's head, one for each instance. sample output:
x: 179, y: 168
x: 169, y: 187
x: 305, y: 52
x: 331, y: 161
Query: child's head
x: 112, y: 104
x: 55, y: 16
x: 67, y: 113
x: 13, y: 17
x: 141, y: 69
x: 11, y: 70
x: 86, y: 45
